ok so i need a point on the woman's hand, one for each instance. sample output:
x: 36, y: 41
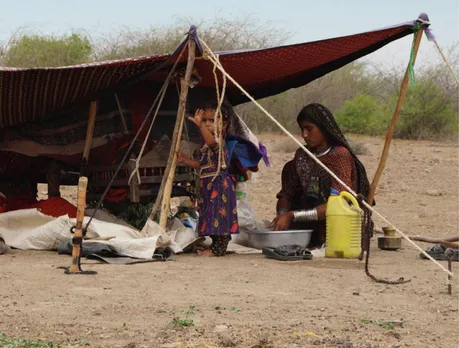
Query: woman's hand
x: 197, y: 119
x: 282, y: 222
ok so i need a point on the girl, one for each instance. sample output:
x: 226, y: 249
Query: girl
x: 217, y: 204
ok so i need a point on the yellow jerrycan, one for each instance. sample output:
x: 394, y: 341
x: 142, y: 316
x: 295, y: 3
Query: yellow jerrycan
x: 344, y: 227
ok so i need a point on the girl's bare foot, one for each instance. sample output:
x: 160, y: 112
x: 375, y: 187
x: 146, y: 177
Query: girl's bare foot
x: 205, y: 252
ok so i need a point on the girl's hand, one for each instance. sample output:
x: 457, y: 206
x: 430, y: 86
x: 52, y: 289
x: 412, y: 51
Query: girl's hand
x: 197, y: 119
x: 187, y: 161
x: 180, y: 158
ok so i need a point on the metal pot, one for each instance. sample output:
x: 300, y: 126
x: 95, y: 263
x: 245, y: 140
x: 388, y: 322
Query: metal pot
x: 273, y: 239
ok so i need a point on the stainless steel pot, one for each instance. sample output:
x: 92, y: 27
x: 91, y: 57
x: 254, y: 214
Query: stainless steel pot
x: 273, y: 239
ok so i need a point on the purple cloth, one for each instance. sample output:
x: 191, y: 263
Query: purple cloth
x: 217, y: 204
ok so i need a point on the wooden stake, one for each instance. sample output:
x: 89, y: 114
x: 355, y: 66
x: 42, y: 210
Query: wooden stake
x: 449, y: 253
x: 445, y: 244
x: 90, y: 130
x: 54, y: 178
x: 81, y: 203
x: 168, y: 178
x: 426, y: 239
x: 134, y: 184
x: 390, y: 132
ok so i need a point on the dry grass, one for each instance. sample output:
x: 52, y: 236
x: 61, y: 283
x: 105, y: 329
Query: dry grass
x: 359, y: 148
x: 288, y: 146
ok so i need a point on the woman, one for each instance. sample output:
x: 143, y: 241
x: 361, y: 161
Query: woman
x: 306, y: 186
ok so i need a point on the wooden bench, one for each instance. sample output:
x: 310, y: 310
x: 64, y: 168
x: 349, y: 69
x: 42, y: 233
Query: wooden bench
x: 100, y: 176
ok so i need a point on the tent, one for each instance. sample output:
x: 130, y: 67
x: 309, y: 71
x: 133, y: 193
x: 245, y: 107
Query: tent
x: 41, y: 109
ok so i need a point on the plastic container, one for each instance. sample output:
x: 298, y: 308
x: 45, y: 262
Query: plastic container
x: 241, y: 189
x: 344, y: 226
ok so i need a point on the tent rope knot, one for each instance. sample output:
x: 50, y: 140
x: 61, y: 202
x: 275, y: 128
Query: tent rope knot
x: 430, y: 36
x: 218, y: 125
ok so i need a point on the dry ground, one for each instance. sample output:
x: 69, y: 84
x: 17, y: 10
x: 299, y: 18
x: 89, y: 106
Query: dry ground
x: 249, y: 301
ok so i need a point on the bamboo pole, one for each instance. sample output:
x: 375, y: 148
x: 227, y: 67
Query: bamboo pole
x: 90, y: 130
x: 120, y: 110
x: 159, y: 197
x: 446, y: 62
x: 176, y: 137
x: 390, y: 132
x: 78, y: 234
x: 175, y: 148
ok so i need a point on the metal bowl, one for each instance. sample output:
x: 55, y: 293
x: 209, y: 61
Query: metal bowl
x: 273, y: 239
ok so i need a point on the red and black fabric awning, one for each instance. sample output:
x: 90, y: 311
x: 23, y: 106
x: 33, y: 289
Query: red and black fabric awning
x: 264, y: 73
x: 31, y: 94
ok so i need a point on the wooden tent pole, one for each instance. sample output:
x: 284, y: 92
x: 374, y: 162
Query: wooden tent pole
x: 120, y: 110
x: 177, y: 135
x: 78, y: 233
x: 89, y: 130
x: 390, y: 132
x: 159, y: 196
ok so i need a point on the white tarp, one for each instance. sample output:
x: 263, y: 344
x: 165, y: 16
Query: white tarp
x: 30, y: 229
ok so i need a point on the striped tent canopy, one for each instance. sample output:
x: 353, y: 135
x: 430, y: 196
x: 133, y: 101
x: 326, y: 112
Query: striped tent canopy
x: 32, y: 94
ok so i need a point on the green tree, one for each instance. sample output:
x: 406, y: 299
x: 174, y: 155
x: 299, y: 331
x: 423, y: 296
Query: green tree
x: 362, y: 114
x: 428, y: 113
x: 47, y: 51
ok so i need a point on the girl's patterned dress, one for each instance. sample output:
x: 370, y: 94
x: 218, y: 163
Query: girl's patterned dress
x: 217, y: 204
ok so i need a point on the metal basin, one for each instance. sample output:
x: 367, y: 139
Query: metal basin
x: 273, y: 239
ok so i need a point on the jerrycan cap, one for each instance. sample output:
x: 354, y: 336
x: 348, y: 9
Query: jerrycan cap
x: 334, y: 192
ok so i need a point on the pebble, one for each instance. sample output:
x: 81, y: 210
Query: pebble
x: 220, y: 328
x: 226, y: 340
x: 433, y: 193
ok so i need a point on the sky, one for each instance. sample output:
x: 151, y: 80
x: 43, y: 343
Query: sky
x: 305, y: 20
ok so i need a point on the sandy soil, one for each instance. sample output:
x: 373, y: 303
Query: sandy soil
x: 250, y: 301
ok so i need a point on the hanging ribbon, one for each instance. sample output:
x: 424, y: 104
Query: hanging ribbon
x: 411, y: 62
x: 430, y: 36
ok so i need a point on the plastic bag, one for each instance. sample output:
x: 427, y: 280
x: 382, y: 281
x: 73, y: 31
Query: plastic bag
x: 245, y: 215
x: 246, y: 220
